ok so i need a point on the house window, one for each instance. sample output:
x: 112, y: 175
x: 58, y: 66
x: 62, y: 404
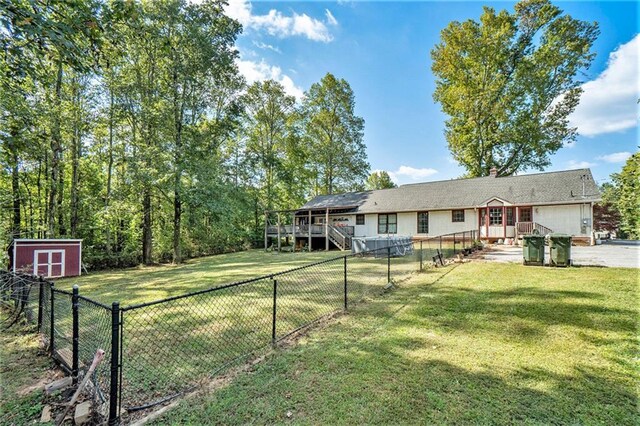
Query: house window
x: 495, y: 216
x: 510, y: 217
x: 359, y: 219
x: 423, y: 222
x: 457, y: 215
x: 387, y: 223
x: 525, y: 214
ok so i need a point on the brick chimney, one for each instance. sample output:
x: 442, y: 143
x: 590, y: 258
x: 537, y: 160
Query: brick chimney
x: 493, y: 172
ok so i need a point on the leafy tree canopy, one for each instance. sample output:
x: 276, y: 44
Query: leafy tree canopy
x: 379, y: 180
x: 335, y: 136
x: 624, y: 195
x: 508, y: 84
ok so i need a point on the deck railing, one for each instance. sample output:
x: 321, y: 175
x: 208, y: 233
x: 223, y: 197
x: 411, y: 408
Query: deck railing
x: 526, y: 228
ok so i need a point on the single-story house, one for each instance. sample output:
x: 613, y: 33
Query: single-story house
x: 495, y: 207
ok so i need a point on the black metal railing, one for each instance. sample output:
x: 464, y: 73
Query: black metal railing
x: 156, y: 351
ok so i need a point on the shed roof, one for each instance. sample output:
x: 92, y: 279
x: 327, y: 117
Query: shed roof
x: 563, y: 187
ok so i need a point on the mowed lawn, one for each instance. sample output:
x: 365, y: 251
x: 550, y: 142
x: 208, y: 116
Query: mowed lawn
x: 147, y: 283
x: 474, y: 343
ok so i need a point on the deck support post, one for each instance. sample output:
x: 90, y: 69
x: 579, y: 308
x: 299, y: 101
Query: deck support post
x: 309, y: 230
x: 279, y: 243
x: 326, y: 230
x: 293, y: 230
x: 266, y: 227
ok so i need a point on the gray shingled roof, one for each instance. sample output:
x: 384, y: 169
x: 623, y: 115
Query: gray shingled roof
x: 541, y: 188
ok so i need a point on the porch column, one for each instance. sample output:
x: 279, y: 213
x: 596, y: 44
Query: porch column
x: 592, y: 227
x: 278, y: 232
x: 516, y: 219
x: 326, y: 231
x: 309, y: 230
x: 504, y: 222
x: 486, y: 221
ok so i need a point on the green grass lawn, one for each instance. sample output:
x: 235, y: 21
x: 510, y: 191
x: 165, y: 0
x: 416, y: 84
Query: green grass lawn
x: 171, y: 346
x: 476, y: 343
x: 146, y: 283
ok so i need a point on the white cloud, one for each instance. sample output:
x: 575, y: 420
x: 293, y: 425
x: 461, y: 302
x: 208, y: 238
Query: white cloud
x: 609, y: 103
x: 616, y: 157
x: 259, y: 71
x: 572, y: 164
x: 261, y: 45
x: 331, y: 20
x: 277, y: 24
x: 406, y: 174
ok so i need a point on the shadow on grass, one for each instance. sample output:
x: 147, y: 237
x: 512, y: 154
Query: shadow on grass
x: 519, y: 313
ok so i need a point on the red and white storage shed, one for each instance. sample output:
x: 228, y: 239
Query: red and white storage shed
x: 49, y: 258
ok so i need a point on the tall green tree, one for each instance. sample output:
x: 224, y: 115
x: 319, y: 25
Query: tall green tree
x: 379, y: 180
x: 624, y: 195
x: 508, y: 83
x: 198, y: 42
x: 269, y: 115
x: 334, y: 136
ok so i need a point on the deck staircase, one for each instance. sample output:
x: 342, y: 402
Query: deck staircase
x: 340, y: 238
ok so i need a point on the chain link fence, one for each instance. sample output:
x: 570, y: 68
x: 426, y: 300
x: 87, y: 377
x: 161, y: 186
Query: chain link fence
x: 158, y: 350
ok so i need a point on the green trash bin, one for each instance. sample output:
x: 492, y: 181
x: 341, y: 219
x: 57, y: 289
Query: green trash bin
x: 533, y: 249
x: 560, y: 249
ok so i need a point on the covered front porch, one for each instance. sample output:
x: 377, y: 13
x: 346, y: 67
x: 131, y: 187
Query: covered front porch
x: 498, y: 219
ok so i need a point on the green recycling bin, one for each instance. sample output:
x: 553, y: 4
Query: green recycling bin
x: 560, y: 249
x: 533, y: 249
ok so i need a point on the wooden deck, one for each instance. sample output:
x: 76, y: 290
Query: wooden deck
x: 302, y: 231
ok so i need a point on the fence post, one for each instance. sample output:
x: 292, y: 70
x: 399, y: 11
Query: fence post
x: 463, y: 242
x: 421, y: 254
x: 345, y: 282
x: 76, y: 327
x: 114, y: 416
x: 51, y: 321
x: 388, y: 264
x: 454, y: 243
x: 40, y: 302
x: 273, y: 322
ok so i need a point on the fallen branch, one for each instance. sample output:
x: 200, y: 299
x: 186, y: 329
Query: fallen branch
x: 97, y: 358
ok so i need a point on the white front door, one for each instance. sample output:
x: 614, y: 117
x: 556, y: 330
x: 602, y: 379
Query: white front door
x: 48, y: 263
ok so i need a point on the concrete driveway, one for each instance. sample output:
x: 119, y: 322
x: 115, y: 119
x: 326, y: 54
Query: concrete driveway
x: 614, y: 255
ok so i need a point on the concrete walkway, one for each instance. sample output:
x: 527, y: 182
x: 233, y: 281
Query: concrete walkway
x: 618, y: 255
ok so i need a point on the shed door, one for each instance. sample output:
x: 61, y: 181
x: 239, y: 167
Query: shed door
x: 48, y: 263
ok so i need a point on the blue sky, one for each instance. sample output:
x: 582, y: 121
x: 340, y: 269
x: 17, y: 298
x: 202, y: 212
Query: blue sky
x: 382, y: 50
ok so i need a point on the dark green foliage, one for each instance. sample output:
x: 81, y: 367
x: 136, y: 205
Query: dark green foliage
x: 508, y: 84
x: 379, y: 180
x: 127, y: 124
x: 621, y: 200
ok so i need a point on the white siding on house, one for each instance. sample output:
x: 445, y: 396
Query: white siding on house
x: 440, y: 222
x: 407, y: 224
x: 565, y: 218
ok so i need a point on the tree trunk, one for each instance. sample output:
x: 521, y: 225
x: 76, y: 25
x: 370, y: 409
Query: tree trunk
x: 15, y: 190
x: 56, y: 154
x: 75, y: 163
x: 62, y: 229
x: 107, y: 198
x: 147, y: 248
